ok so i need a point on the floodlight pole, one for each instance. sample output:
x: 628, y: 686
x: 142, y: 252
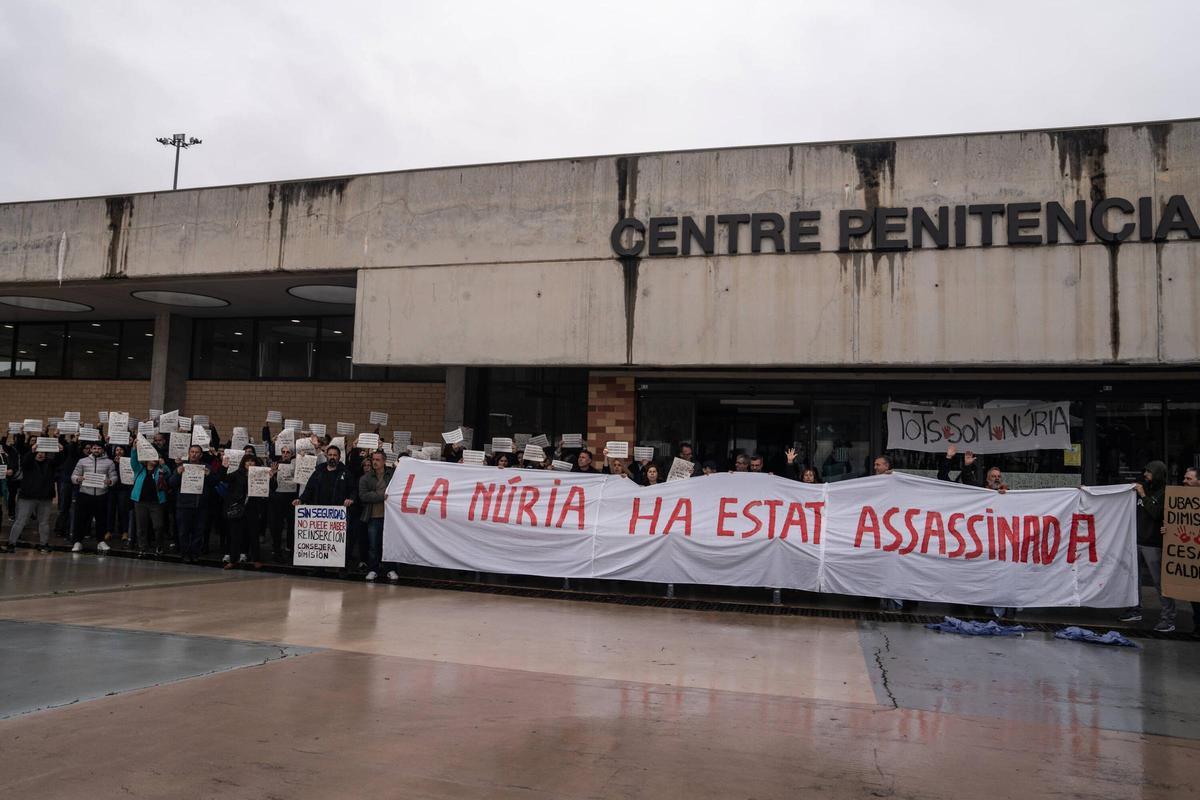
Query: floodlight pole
x: 178, y: 141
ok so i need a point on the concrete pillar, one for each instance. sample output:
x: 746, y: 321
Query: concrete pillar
x: 456, y: 397
x: 170, y: 363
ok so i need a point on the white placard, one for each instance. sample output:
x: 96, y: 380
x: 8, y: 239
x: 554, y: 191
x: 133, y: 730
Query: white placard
x: 368, y: 441
x: 53, y: 421
x: 316, y: 429
x: 378, y: 417
x: 89, y: 434
x: 339, y: 442
x: 71, y: 416
x: 48, y: 444
x: 125, y: 469
x: 103, y: 417
x: 185, y: 424
x: 145, y: 450
x: 118, y: 436
x: 617, y: 449
x: 541, y: 440
x: 274, y: 417
x: 468, y: 436
x: 146, y: 429
x: 998, y: 429
x: 305, y: 445
x: 68, y: 427
x: 452, y: 437
x: 239, y: 439
x: 32, y: 426
x: 345, y: 428
x: 285, y: 477
x: 501, y: 444
x: 14, y: 427
x: 643, y: 454
x: 155, y: 413
x: 294, y: 424
x: 560, y: 466
x: 387, y: 448
x: 572, y: 441
x: 178, y: 448
x: 118, y: 419
x: 258, y: 482
x: 201, y: 436
x: 286, y: 438
x: 200, y: 419
x: 260, y: 449
x: 320, y: 536
x: 306, y: 465
x: 168, y: 422
x: 476, y: 457
x: 533, y: 453
x: 680, y: 469
x: 94, y: 480
x: 402, y: 439
x: 520, y: 440
x: 433, y: 453
x: 192, y: 481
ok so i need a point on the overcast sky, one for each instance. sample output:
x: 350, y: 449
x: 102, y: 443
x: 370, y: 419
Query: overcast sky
x: 297, y: 89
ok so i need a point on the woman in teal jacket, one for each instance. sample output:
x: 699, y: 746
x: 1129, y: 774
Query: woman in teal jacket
x: 151, y: 482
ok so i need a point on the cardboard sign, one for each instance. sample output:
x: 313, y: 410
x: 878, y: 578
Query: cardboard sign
x: 643, y: 454
x: 572, y: 441
x: 201, y: 436
x: 680, y: 470
x: 378, y: 417
x: 345, y: 428
x: 452, y: 437
x: 193, y: 479
x: 476, y: 457
x: 367, y: 441
x: 48, y: 444
x: 316, y: 429
x: 178, y: 448
x: 145, y: 450
x: 1181, y: 543
x: 501, y: 444
x: 94, y: 480
x: 258, y: 482
x: 71, y: 416
x: 617, y: 449
x: 320, y: 538
x: 118, y: 436
x: 560, y: 466
x: 306, y: 465
x: 533, y: 453
x: 125, y: 468
x: 274, y: 417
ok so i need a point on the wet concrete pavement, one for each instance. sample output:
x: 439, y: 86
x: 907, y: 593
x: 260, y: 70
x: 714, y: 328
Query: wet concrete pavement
x: 201, y: 684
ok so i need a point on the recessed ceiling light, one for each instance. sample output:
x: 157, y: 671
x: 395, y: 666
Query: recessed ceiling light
x: 347, y: 356
x: 95, y: 324
x: 296, y: 320
x: 23, y: 352
x: 43, y: 344
x: 130, y: 358
x: 186, y: 299
x: 235, y: 351
x: 338, y: 332
x: 44, y: 304
x: 237, y: 333
x: 149, y: 334
x: 324, y: 293
x: 8, y: 326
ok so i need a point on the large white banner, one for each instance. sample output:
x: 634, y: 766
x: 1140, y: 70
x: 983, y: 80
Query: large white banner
x: 1003, y: 429
x: 898, y: 536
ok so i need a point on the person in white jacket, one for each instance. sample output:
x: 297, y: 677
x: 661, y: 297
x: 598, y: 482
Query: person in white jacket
x: 91, y: 505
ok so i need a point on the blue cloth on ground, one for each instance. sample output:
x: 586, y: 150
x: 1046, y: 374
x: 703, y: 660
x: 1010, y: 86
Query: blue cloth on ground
x: 991, y: 628
x: 1084, y: 635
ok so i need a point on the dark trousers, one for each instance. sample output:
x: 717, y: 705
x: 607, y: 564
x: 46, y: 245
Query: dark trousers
x: 244, y: 532
x: 191, y: 523
x: 118, y: 509
x: 281, y: 515
x: 90, y: 508
x: 66, y: 493
x: 356, y: 538
x: 374, y: 543
x: 151, y: 525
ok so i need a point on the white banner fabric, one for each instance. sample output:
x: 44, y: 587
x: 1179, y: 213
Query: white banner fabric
x: 898, y: 536
x: 1003, y: 429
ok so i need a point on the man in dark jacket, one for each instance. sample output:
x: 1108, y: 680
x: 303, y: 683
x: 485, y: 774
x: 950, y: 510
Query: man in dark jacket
x: 191, y: 510
x: 1152, y: 492
x: 39, y: 489
x: 329, y: 485
x: 372, y: 491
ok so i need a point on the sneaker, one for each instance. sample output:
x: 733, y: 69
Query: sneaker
x: 1164, y: 627
x: 102, y: 548
x: 370, y: 576
x: 1131, y: 616
x: 77, y: 547
x: 242, y: 559
x: 42, y: 548
x: 226, y: 559
x: 393, y: 575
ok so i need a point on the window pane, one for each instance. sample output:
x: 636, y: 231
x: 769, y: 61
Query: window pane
x: 1128, y: 436
x: 40, y: 349
x: 221, y: 348
x: 842, y: 439
x: 286, y: 348
x: 7, y: 340
x: 92, y: 349
x: 533, y: 401
x: 333, y: 354
x: 137, y: 349
x: 1183, y: 437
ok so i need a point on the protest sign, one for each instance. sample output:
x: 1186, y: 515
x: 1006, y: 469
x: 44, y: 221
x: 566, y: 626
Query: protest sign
x: 367, y: 441
x: 260, y: 449
x: 67, y: 426
x: 520, y: 440
x: 468, y: 436
x: 145, y: 450
x: 476, y: 457
x: 501, y: 444
x: 285, y: 476
x: 898, y: 536
x: 680, y: 469
x: 316, y: 429
x: 339, y: 442
x: 306, y: 465
x: 643, y: 454
x: 200, y: 419
x: 201, y: 436
x: 617, y: 449
x: 146, y: 429
x: 320, y: 536
x: 52, y: 422
x: 239, y: 439
x: 572, y: 441
x: 192, y: 481
x: 178, y: 448
x: 345, y: 428
x: 533, y: 453
x: 452, y: 437
x: 293, y: 424
x: 118, y: 436
x: 541, y: 440
x: 89, y: 434
x: 433, y: 452
x: 14, y: 427
x: 378, y: 417
x: 48, y: 444
x: 32, y: 426
x: 305, y: 445
x: 1181, y: 544
x: 168, y: 422
x: 125, y: 469
x: 999, y: 429
x: 155, y: 413
x: 560, y: 466
x: 286, y: 438
x: 118, y: 419
x: 274, y: 417
x: 103, y: 417
x: 185, y: 424
x: 71, y: 416
x: 402, y: 439
x: 94, y: 480
x: 258, y: 481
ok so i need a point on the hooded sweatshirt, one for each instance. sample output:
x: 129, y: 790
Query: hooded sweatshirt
x: 1150, y: 507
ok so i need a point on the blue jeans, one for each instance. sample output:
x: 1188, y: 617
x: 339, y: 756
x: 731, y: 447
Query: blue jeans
x: 374, y: 543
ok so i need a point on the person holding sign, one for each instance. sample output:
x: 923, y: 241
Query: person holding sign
x: 1152, y: 493
x: 119, y: 505
x: 93, y: 474
x: 281, y: 514
x: 191, y: 503
x: 372, y: 492
x: 245, y: 514
x: 151, y: 485
x: 39, y: 489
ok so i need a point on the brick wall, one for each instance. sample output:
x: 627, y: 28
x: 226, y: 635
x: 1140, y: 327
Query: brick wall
x: 612, y: 410
x: 416, y: 407
x: 42, y: 398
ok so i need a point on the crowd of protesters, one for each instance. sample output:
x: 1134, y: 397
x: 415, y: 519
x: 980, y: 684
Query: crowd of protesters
x: 151, y: 516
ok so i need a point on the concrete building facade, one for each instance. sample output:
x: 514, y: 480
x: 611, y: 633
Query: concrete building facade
x: 744, y: 299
